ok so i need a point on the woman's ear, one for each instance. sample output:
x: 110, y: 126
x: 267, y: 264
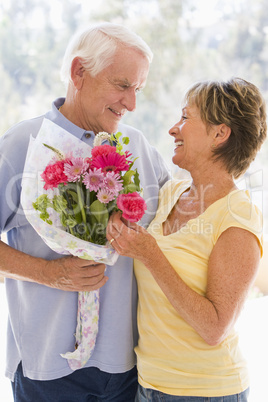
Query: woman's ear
x: 222, y: 133
x: 77, y: 73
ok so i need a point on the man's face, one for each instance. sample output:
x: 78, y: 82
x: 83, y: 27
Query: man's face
x: 101, y: 101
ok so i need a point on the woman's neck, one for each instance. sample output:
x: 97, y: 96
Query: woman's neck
x: 210, y: 188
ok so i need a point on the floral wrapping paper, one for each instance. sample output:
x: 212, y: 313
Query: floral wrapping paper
x: 55, y: 236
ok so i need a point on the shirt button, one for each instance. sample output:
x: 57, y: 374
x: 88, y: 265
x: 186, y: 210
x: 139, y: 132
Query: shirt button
x: 87, y: 135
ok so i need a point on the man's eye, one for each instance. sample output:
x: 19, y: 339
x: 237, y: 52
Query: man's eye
x: 183, y: 117
x: 123, y: 86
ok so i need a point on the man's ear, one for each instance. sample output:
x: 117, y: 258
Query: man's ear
x: 222, y: 133
x: 77, y: 73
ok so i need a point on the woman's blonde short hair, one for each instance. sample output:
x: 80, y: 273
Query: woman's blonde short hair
x: 240, y: 105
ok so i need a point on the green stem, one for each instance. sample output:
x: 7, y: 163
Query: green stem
x: 81, y: 205
x: 69, y: 229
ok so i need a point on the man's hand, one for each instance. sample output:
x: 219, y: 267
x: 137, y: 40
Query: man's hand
x: 67, y: 273
x: 74, y: 274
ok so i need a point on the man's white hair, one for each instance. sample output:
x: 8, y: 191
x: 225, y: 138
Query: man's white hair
x: 97, y: 45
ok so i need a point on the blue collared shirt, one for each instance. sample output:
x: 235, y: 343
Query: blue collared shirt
x: 42, y: 320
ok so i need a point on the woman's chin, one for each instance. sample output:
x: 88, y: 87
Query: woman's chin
x: 176, y: 160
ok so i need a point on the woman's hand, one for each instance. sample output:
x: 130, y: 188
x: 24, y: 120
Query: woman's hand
x: 130, y: 239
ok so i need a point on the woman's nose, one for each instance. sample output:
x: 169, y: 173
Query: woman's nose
x: 173, y: 130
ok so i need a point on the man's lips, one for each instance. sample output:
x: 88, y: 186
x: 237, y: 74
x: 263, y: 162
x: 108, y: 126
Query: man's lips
x: 119, y: 114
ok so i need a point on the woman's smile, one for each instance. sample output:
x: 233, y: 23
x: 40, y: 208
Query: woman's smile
x: 178, y: 143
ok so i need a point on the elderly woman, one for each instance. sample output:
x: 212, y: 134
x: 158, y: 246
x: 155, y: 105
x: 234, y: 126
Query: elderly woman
x: 200, y: 255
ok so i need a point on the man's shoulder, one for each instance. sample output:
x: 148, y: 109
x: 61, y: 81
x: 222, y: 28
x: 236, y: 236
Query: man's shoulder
x: 14, y: 143
x: 137, y: 139
x: 25, y: 127
x: 129, y: 130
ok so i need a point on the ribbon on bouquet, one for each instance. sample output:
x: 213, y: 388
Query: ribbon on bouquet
x: 55, y: 236
x: 86, y: 329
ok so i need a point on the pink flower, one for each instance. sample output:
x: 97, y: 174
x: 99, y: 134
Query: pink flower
x: 113, y: 182
x: 102, y: 150
x: 87, y: 331
x: 75, y: 168
x: 93, y: 180
x: 54, y: 175
x: 132, y: 205
x: 105, y: 196
x: 112, y: 162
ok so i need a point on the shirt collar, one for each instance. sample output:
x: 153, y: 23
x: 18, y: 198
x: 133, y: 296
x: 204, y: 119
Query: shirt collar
x: 58, y: 118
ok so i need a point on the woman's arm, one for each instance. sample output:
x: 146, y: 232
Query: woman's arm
x: 232, y: 269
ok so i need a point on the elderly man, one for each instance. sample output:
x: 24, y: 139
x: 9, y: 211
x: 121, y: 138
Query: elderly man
x: 104, y: 67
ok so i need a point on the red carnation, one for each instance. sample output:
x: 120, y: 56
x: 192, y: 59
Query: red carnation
x: 54, y: 174
x: 132, y: 205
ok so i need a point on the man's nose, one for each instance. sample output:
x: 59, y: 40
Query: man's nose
x: 129, y: 100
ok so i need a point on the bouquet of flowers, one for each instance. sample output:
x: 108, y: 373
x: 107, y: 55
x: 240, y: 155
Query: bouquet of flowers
x: 91, y: 188
x: 69, y: 201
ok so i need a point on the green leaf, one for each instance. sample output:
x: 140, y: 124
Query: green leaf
x: 130, y: 188
x: 59, y: 203
x: 98, y: 220
x: 73, y: 194
x: 127, y: 177
x: 132, y: 163
x: 137, y: 180
x: 100, y: 212
x: 117, y: 135
x: 78, y: 217
x: 42, y: 203
x: 70, y: 221
x: 119, y: 146
x: 125, y: 140
x: 45, y: 217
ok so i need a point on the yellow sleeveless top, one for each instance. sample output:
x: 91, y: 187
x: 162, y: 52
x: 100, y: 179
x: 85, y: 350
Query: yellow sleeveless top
x: 171, y: 356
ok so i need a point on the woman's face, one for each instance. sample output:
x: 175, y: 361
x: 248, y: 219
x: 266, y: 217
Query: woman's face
x: 192, y: 140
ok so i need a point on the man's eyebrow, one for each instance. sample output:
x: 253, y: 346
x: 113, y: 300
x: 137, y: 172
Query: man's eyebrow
x: 122, y: 81
x: 125, y: 82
